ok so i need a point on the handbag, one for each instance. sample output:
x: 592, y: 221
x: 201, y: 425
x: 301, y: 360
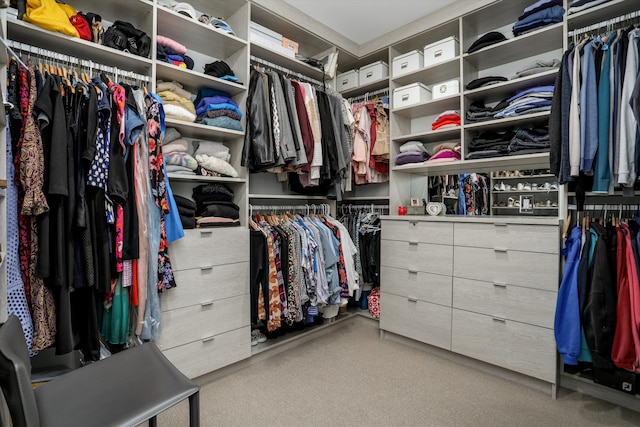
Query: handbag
x: 127, y: 38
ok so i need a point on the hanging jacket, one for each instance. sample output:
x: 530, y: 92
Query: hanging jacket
x: 258, y: 150
x: 623, y: 351
x: 567, y: 318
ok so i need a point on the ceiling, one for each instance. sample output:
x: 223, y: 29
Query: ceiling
x: 364, y: 20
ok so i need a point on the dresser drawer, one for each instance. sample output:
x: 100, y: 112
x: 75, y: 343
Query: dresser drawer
x: 425, y: 257
x: 529, y: 269
x: 196, y: 322
x: 519, y: 347
x: 416, y: 284
x: 208, y: 354
x: 418, y: 231
x: 415, y: 319
x: 509, y: 302
x: 521, y: 237
x: 207, y: 247
x: 203, y: 285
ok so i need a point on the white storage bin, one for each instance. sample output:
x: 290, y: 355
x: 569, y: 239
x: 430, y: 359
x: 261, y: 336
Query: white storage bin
x: 372, y: 72
x: 347, y: 80
x: 415, y: 93
x: 440, y: 51
x: 444, y: 89
x: 264, y: 33
x: 407, y: 63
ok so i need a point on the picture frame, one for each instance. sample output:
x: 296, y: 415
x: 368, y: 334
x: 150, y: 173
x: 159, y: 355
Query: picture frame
x: 526, y: 204
x: 415, y: 202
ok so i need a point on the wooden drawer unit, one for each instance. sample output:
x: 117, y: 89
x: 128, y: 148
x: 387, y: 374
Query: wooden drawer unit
x: 419, y: 320
x: 417, y: 256
x: 202, y: 248
x: 427, y: 287
x: 204, y: 320
x: 529, y: 269
x: 211, y: 353
x: 203, y: 285
x: 519, y: 347
x: 500, y: 235
x: 418, y: 231
x: 526, y: 305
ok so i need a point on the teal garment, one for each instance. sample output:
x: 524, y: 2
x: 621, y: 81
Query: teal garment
x: 585, y: 352
x: 115, y: 320
x: 601, y: 169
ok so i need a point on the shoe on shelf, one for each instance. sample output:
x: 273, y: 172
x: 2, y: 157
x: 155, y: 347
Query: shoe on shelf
x: 553, y: 186
x: 520, y: 186
x: 507, y: 187
x: 526, y: 186
x: 257, y: 337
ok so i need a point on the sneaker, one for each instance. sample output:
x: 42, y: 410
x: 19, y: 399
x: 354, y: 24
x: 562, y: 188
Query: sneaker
x: 257, y: 337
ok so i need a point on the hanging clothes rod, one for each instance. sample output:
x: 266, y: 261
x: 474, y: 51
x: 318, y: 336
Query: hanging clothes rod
x: 370, y: 207
x: 604, y: 24
x: 276, y: 67
x: 323, y: 208
x: 72, y: 61
x: 6, y: 44
x: 368, y: 95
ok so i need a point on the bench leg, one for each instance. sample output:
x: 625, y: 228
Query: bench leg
x: 194, y: 409
x: 153, y: 421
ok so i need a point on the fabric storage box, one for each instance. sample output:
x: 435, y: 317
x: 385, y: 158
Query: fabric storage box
x: 440, y: 51
x: 444, y: 89
x: 373, y: 72
x: 347, y: 80
x: 407, y: 63
x: 263, y: 33
x: 415, y: 93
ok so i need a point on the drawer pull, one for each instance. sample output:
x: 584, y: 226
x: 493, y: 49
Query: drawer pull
x: 369, y: 74
x: 412, y: 271
x: 206, y: 267
x: 500, y: 224
x: 501, y: 250
x: 499, y: 284
x: 499, y: 319
x: 437, y: 53
x: 412, y: 299
x: 210, y: 338
x: 206, y: 303
x: 404, y: 65
x: 414, y: 223
x: 207, y: 232
x: 344, y: 82
x: 405, y: 97
x: 413, y: 242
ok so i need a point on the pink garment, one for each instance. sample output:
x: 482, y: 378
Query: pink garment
x: 444, y: 156
x: 166, y: 41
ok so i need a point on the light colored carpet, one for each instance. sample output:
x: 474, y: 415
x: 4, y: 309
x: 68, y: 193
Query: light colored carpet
x: 351, y: 377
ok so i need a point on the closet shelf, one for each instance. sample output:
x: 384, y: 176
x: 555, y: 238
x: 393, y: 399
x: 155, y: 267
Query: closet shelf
x: 508, y: 122
x: 195, y: 80
x: 441, y: 72
x: 27, y: 33
x: 521, y: 191
x: 428, y: 108
x: 506, y: 89
x: 364, y: 198
x: 431, y: 135
x: 369, y: 87
x: 192, y: 178
x: 522, y: 47
x: 196, y: 130
x: 535, y: 208
x: 600, y: 13
x: 525, y: 161
x: 197, y: 36
x: 286, y: 197
x: 288, y: 62
x: 523, y: 177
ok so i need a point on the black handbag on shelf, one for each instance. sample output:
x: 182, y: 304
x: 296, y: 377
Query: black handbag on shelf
x: 124, y: 36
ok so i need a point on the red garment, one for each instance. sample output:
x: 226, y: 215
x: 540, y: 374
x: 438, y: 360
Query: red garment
x: 449, y: 119
x: 623, y: 352
x: 634, y: 296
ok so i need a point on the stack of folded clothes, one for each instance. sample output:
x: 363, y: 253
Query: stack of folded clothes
x: 528, y: 141
x: 187, y: 211
x: 446, y: 152
x: 221, y: 70
x: 486, y: 40
x: 539, y: 14
x: 412, y: 152
x: 176, y: 101
x: 215, y: 207
x: 478, y: 112
x: 538, y: 66
x: 174, y: 152
x: 489, y: 144
x: 485, y: 81
x: 532, y: 100
x: 169, y: 50
x: 216, y: 108
x: 580, y: 5
x: 213, y: 158
x: 446, y: 119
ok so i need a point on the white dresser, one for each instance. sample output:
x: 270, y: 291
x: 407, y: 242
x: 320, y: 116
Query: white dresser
x: 483, y: 287
x: 205, y: 319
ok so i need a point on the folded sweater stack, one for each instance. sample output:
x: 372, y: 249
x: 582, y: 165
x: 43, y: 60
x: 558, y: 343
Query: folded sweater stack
x: 412, y: 152
x: 169, y: 50
x: 446, y: 119
x: 446, y: 152
x: 216, y: 108
x: 187, y: 211
x: 533, y: 100
x: 580, y: 5
x: 215, y: 207
x: 539, y: 14
x: 176, y: 101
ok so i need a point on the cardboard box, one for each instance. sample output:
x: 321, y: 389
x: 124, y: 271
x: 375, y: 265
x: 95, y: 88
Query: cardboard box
x: 290, y: 44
